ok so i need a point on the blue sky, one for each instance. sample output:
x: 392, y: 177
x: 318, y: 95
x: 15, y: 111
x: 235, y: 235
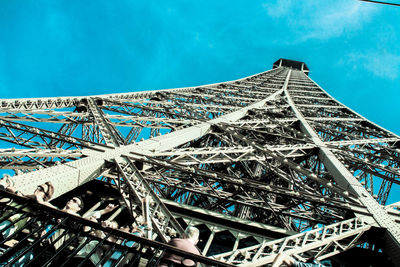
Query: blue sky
x: 61, y: 48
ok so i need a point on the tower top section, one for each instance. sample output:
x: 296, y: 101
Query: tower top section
x: 298, y: 65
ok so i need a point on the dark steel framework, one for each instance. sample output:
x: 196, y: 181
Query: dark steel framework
x: 266, y: 164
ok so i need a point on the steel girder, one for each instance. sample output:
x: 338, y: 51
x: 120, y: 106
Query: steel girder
x: 272, y: 150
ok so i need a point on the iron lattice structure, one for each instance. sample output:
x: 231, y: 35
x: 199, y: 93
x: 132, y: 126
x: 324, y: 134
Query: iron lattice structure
x: 265, y: 164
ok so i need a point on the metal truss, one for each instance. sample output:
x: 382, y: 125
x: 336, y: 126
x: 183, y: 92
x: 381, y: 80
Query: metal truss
x: 321, y: 243
x: 266, y: 164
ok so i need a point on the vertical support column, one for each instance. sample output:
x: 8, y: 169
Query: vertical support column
x: 146, y: 214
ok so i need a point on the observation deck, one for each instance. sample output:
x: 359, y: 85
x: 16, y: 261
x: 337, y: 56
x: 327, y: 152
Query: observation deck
x: 293, y: 64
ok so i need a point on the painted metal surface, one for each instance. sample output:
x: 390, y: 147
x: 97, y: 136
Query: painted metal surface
x: 272, y: 153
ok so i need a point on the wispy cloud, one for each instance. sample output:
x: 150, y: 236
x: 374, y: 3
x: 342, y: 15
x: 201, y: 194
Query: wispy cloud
x: 319, y: 20
x: 279, y: 8
x: 382, y: 64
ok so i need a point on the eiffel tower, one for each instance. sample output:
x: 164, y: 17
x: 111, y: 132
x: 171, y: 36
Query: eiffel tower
x: 263, y: 165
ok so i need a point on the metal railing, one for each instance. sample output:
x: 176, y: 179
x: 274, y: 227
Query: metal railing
x: 33, y: 234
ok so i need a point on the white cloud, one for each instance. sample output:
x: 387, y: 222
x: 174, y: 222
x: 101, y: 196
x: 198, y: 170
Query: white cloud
x: 320, y: 19
x: 334, y: 20
x: 380, y: 63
